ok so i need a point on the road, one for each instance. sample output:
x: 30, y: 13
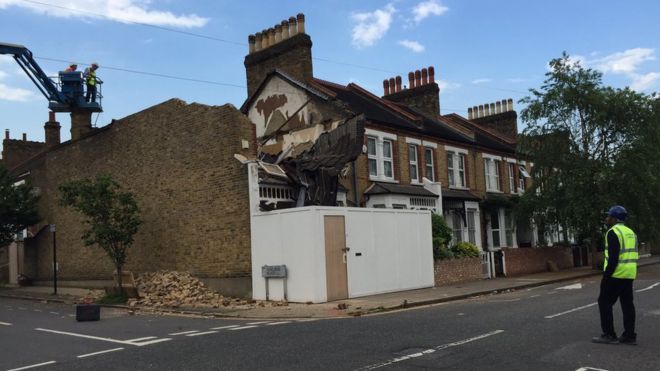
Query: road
x: 544, y: 328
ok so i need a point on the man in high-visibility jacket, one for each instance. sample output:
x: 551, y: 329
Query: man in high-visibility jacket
x: 91, y: 81
x: 619, y: 272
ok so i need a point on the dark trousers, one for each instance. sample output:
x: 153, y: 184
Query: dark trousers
x: 91, y: 93
x: 612, y: 289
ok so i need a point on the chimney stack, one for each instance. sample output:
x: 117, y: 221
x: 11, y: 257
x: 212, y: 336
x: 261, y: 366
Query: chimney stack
x: 499, y: 116
x: 52, y: 130
x: 285, y: 46
x: 422, y: 93
x: 81, y: 124
x: 7, y: 134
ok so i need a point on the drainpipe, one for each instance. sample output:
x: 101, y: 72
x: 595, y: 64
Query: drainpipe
x: 356, y: 197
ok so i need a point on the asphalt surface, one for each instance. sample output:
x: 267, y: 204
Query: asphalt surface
x: 542, y: 328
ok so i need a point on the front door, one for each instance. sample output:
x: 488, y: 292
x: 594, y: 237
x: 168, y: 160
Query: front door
x: 335, y: 257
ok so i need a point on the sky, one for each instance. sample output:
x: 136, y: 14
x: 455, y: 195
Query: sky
x: 150, y: 51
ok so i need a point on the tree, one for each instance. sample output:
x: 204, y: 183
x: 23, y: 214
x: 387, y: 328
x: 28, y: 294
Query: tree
x: 112, y: 216
x: 577, y: 130
x: 18, y: 207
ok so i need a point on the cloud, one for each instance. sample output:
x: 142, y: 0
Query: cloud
x: 426, y: 9
x: 481, y: 81
x: 371, y: 26
x: 625, y: 62
x: 446, y: 85
x: 644, y: 82
x: 15, y: 94
x: 3, y: 74
x: 412, y: 45
x: 126, y: 11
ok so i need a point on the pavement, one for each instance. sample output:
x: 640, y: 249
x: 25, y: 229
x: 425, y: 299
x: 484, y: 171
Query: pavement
x: 341, y: 308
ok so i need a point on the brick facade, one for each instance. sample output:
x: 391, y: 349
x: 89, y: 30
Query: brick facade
x: 177, y: 159
x: 457, y: 270
x: 15, y: 151
x: 535, y: 260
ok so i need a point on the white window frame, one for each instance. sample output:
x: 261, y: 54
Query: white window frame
x: 428, y: 155
x: 505, y: 226
x: 382, y: 139
x: 512, y: 179
x: 492, y: 173
x: 414, y: 163
x: 522, y: 180
x: 456, y: 172
x: 372, y: 156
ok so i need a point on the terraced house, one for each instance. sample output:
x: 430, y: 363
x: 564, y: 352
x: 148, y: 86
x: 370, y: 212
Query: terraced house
x: 466, y: 169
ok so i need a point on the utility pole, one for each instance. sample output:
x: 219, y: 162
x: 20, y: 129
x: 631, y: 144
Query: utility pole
x: 52, y: 230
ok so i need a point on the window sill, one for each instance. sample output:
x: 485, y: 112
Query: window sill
x: 459, y: 188
x: 383, y: 180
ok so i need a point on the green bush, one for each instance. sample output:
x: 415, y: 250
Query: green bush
x: 465, y: 249
x: 441, y: 235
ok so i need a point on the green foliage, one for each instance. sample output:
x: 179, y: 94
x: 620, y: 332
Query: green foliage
x: 465, y: 250
x: 113, y: 299
x: 592, y: 146
x: 441, y: 235
x: 18, y: 207
x: 112, y: 216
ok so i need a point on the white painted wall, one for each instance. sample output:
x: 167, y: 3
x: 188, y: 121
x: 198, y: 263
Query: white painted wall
x: 395, y: 245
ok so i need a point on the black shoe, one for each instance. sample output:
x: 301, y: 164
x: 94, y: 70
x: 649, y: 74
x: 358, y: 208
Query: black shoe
x: 628, y: 340
x: 605, y: 339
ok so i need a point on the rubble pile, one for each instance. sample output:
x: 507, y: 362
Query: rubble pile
x: 172, y: 289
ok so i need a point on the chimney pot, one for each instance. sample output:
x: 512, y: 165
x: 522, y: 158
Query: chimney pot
x: 509, y: 104
x: 257, y: 41
x: 411, y: 79
x: 285, y: 29
x: 392, y: 85
x: 470, y: 113
x: 24, y: 137
x: 498, y: 107
x: 486, y: 109
x: 6, y: 133
x: 51, y: 116
x: 431, y: 75
x: 271, y: 36
x: 418, y: 78
x: 301, y: 23
x: 398, y: 84
x: 481, y: 111
x: 278, y: 33
x: 386, y: 87
x: 492, y: 108
x: 264, y: 39
x: 251, y: 42
x: 293, y: 26
x: 425, y: 76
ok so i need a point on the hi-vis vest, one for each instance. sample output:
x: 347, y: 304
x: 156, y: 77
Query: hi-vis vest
x: 91, y: 77
x: 628, y: 255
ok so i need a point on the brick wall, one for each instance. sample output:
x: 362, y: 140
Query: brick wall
x: 534, y: 260
x: 425, y: 98
x: 457, y: 270
x: 16, y: 151
x: 177, y: 159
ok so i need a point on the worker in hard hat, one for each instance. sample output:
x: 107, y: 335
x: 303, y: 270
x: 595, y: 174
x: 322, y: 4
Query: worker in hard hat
x: 91, y: 81
x: 619, y: 272
x: 72, y: 68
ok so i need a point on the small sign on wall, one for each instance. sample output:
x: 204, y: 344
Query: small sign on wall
x: 273, y: 271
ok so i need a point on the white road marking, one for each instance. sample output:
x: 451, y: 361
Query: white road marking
x: 55, y: 313
x: 223, y: 327
x: 241, y: 328
x: 307, y: 320
x: 183, y: 332
x: 589, y: 368
x: 429, y: 351
x: 141, y: 339
x: 5, y: 323
x: 125, y: 342
x: 258, y: 323
x: 574, y: 286
x: 203, y: 333
x: 648, y: 288
x: 37, y: 310
x: 101, y: 352
x: 32, y: 366
x: 535, y: 296
x: 277, y: 323
x: 571, y: 310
